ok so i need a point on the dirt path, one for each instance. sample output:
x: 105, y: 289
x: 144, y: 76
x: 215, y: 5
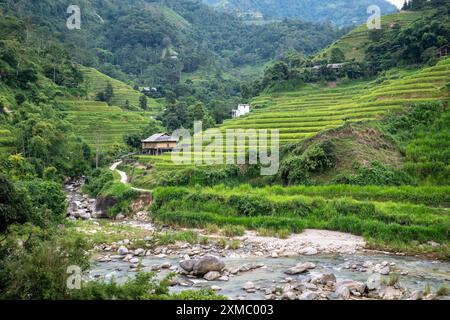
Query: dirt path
x: 124, y: 177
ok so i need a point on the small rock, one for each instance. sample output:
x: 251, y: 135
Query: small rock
x: 216, y: 288
x: 289, y: 295
x: 385, y: 271
x: 325, y: 278
x: 139, y: 252
x: 134, y: 260
x: 248, y: 286
x: 120, y: 217
x: 122, y: 250
x: 416, y: 295
x: 300, y: 268
x: 308, y: 296
x: 308, y: 251
x: 212, y: 275
x: 206, y: 264
x: 342, y: 292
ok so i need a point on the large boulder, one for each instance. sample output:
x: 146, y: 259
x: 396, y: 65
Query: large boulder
x: 374, y: 282
x: 187, y: 265
x: 300, y: 268
x: 206, y: 264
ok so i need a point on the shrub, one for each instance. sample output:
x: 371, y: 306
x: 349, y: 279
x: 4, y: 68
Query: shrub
x: 15, y: 205
x: 375, y: 175
x: 96, y: 181
x: 292, y: 171
x: 319, y: 158
x: 123, y: 194
x: 443, y: 290
x: 48, y: 199
x: 233, y: 231
x: 37, y: 269
x: 250, y: 205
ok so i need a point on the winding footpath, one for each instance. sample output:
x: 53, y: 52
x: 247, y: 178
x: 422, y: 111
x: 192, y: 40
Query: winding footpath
x: 124, y: 177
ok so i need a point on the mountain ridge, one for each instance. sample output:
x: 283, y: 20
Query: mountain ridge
x: 339, y: 12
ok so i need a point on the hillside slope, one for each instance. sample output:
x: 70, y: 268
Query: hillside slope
x: 339, y: 12
x: 95, y: 82
x: 313, y: 108
x: 355, y: 43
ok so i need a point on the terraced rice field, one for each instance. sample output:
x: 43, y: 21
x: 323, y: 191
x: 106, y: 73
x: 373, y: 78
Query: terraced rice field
x: 101, y: 124
x: 6, y: 141
x: 97, y: 82
x: 313, y: 108
x: 354, y: 44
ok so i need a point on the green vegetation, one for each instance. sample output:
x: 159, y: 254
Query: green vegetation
x: 384, y: 224
x: 339, y: 12
x: 102, y: 184
x: 355, y: 43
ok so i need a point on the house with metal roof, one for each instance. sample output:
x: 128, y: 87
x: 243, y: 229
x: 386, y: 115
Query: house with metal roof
x: 159, y: 143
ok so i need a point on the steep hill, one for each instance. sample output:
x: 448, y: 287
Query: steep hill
x: 355, y: 43
x: 339, y: 12
x: 128, y: 40
x: 95, y: 82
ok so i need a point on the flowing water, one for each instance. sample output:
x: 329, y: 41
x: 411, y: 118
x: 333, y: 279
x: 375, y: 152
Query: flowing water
x: 420, y: 272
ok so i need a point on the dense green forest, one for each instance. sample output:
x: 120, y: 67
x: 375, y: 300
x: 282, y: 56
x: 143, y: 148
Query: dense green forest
x: 339, y: 12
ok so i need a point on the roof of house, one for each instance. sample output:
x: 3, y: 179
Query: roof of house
x: 160, y: 137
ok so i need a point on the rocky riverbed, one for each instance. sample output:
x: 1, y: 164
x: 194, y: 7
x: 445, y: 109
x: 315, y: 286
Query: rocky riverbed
x: 313, y: 265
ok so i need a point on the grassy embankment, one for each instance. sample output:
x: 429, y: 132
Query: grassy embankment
x: 387, y: 217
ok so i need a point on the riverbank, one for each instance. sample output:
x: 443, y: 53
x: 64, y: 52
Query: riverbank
x: 314, y: 264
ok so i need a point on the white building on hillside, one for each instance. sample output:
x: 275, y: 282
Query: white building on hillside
x: 241, y: 110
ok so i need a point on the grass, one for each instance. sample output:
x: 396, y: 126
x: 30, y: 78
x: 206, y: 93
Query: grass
x: 233, y: 231
x: 387, y: 224
x: 355, y: 43
x: 95, y: 81
x: 103, y: 125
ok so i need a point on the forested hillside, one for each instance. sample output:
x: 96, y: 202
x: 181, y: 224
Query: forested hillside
x: 159, y: 43
x: 339, y: 12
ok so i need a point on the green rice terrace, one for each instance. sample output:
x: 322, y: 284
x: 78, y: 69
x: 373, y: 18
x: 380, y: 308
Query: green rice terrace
x: 355, y: 42
x: 101, y: 124
x: 303, y: 113
x: 96, y: 81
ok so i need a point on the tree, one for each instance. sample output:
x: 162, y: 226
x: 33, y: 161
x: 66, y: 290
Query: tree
x: 143, y: 102
x: 15, y: 206
x: 337, y: 56
x: 109, y: 92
